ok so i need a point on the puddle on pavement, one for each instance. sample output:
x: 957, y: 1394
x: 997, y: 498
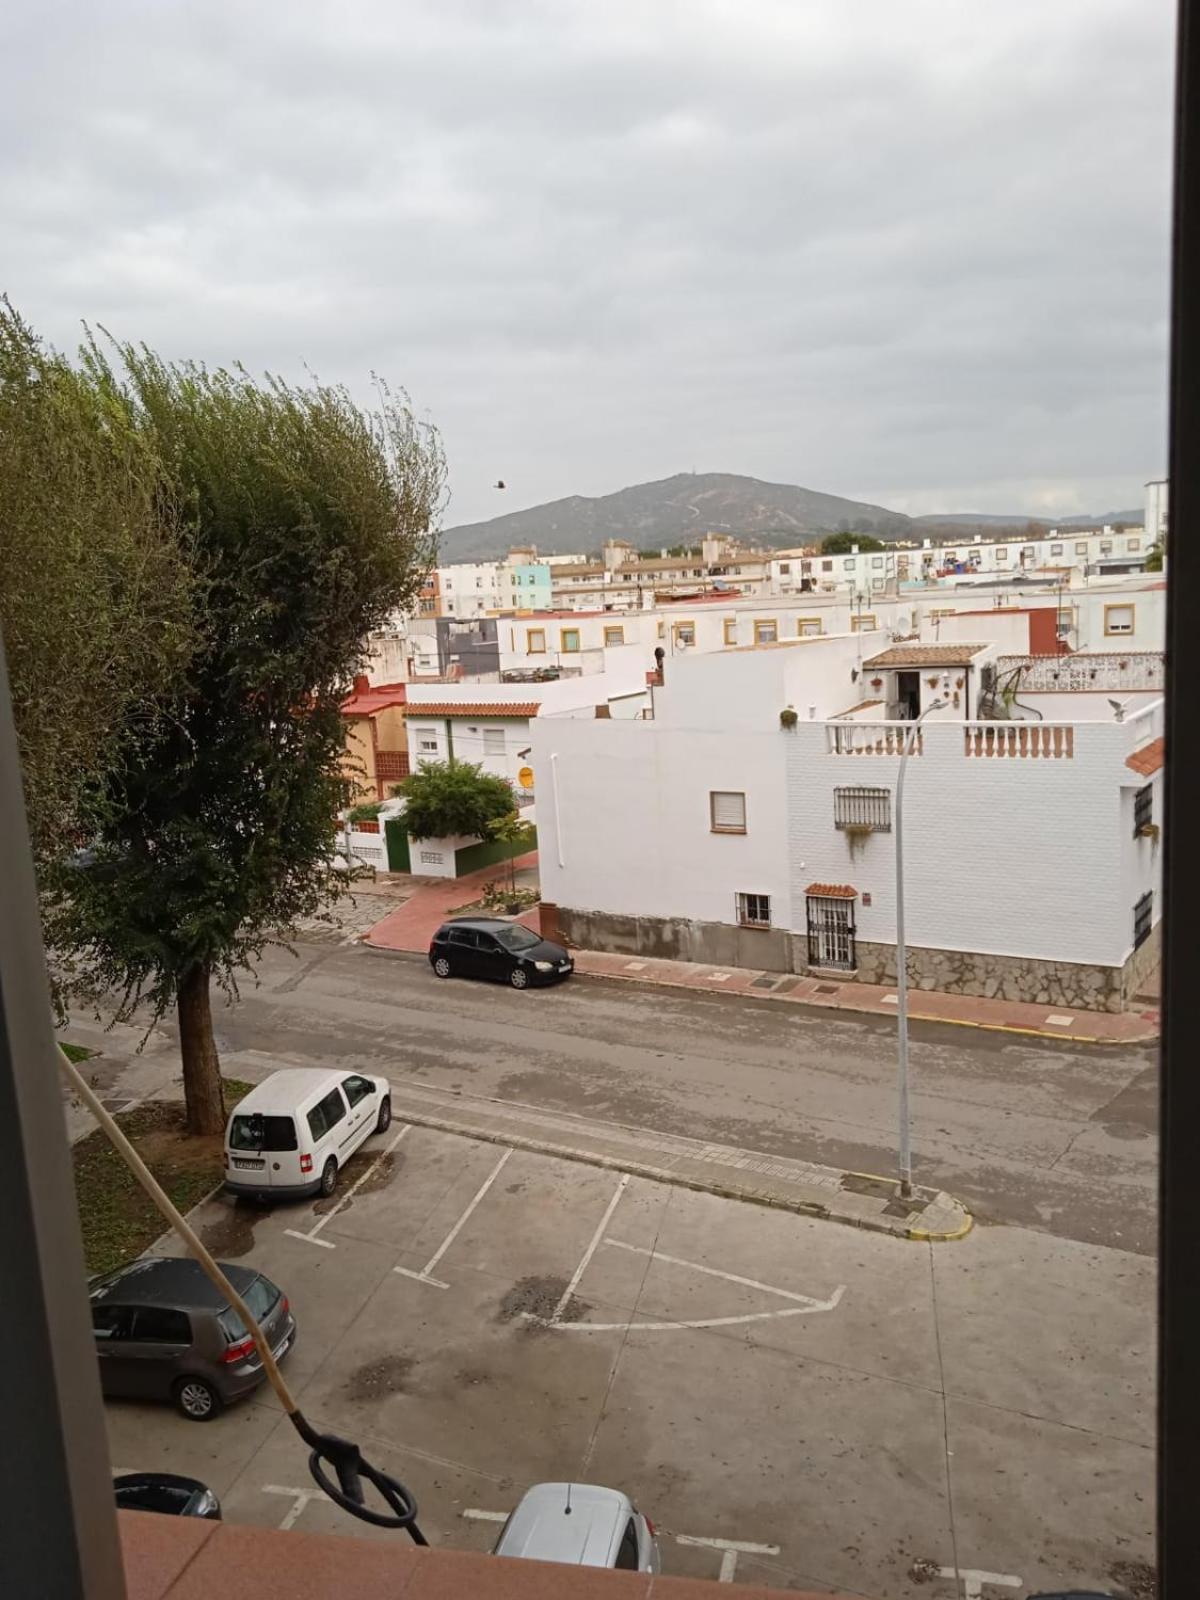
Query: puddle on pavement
x: 232, y: 1233
x: 376, y: 1380
x: 537, y: 1297
x: 389, y: 1166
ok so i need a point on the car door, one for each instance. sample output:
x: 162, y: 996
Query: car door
x: 157, y: 1350
x: 362, y: 1097
x: 340, y: 1129
x: 494, y: 961
x: 111, y: 1327
x: 464, y: 951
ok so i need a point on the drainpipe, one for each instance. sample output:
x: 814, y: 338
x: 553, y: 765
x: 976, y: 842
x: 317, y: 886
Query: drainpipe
x: 449, y: 742
x: 558, y: 829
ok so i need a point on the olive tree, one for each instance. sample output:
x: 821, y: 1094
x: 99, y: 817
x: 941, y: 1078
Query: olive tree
x: 307, y: 520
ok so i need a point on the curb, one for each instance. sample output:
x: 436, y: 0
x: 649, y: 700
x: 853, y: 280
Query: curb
x: 1150, y: 1036
x: 667, y: 1175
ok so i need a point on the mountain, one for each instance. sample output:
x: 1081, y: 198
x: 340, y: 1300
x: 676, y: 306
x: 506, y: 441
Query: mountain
x: 679, y: 510
x: 673, y: 511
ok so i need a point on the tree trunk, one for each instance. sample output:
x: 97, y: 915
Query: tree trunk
x: 202, y: 1088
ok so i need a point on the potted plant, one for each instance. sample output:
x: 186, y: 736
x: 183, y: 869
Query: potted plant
x: 1149, y: 830
x: 788, y: 718
x: 877, y: 683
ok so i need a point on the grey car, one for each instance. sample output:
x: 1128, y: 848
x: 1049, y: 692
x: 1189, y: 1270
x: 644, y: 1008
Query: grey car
x: 582, y: 1524
x: 164, y: 1332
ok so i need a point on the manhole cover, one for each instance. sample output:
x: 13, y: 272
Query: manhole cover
x: 826, y: 988
x: 787, y: 985
x: 765, y: 982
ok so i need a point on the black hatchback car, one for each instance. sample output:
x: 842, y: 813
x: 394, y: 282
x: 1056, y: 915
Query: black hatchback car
x: 164, y: 1332
x: 505, y: 952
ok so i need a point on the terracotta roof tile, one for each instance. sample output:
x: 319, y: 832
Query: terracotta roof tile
x: 377, y: 697
x: 1149, y: 759
x: 925, y: 655
x: 481, y: 709
x: 833, y: 891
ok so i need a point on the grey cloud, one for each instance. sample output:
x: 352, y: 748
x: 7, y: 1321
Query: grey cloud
x: 911, y: 252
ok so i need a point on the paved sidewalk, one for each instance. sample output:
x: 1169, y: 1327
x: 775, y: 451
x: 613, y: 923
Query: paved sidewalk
x: 120, y: 1074
x: 412, y: 925
x: 924, y: 1005
x: 861, y: 1200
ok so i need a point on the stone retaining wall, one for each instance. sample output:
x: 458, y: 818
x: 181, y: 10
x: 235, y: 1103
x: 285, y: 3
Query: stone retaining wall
x: 1050, y: 983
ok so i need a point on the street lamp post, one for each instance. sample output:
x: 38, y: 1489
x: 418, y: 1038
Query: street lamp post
x: 902, y: 958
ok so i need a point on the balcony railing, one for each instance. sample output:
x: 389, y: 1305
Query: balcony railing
x: 1045, y: 740
x: 871, y: 738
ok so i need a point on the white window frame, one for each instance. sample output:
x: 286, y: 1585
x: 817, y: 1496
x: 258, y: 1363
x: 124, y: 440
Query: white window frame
x: 726, y: 811
x: 759, y: 904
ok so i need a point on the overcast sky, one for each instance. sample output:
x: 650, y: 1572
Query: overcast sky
x: 910, y: 251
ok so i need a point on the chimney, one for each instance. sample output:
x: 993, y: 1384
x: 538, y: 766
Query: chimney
x: 361, y: 683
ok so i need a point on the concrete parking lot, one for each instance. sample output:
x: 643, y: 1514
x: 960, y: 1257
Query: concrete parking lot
x: 792, y: 1402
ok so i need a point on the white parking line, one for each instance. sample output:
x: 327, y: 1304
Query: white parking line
x: 714, y: 1272
x: 311, y: 1236
x: 424, y: 1276
x: 564, y: 1298
x: 300, y: 1499
x: 475, y: 1515
x: 973, y: 1580
x: 730, y: 1549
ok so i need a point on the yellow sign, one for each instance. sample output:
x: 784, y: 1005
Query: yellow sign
x: 525, y: 777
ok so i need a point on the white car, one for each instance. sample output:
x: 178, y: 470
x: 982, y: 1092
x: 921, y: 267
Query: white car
x: 580, y: 1524
x: 292, y: 1133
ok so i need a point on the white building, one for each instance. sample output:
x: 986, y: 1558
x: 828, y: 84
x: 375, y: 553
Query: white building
x: 714, y: 833
x: 468, y: 589
x: 1156, y: 512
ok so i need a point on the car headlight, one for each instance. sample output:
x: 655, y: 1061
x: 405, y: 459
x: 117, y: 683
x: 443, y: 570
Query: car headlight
x: 206, y: 1505
x: 544, y: 966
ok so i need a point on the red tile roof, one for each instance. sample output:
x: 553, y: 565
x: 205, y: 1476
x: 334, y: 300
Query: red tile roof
x: 365, y: 702
x: 1149, y: 759
x: 925, y: 655
x: 474, y: 708
x: 833, y: 891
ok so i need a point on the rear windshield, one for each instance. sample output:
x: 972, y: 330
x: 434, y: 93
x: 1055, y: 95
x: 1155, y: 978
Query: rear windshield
x: 261, y: 1298
x: 256, y: 1132
x: 517, y: 938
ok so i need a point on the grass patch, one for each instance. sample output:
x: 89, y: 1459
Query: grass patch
x: 117, y: 1219
x: 75, y: 1052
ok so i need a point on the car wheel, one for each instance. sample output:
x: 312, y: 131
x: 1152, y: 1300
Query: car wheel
x: 385, y: 1115
x: 442, y: 967
x: 329, y: 1177
x: 196, y: 1399
x: 519, y: 978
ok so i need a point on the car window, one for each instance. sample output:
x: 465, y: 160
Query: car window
x: 486, y: 942
x: 159, y: 1325
x: 518, y: 938
x: 464, y: 936
x: 261, y: 1298
x: 326, y: 1114
x: 627, y: 1555
x: 111, y: 1322
x: 256, y: 1132
x: 357, y: 1089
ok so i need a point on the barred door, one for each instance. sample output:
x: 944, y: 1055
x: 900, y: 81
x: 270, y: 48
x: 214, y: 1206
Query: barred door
x: 830, y: 931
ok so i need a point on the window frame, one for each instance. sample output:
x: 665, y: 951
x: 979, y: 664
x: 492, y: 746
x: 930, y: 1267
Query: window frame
x: 1120, y: 633
x: 1143, y: 918
x: 367, y: 1088
x: 569, y: 649
x: 493, y: 752
x: 864, y: 623
x: 805, y: 628
x: 1081, y: 547
x: 718, y: 827
x: 327, y: 1127
x: 858, y: 806
x: 530, y: 635
x: 747, y: 902
x: 181, y: 1340
x: 1143, y: 809
x: 730, y: 622
x: 766, y: 622
x: 677, y: 628
x: 609, y: 642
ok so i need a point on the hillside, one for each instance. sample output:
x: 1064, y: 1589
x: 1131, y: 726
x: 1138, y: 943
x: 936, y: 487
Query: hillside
x: 673, y: 511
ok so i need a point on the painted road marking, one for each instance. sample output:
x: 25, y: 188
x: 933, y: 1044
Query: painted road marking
x: 300, y: 1499
x: 635, y: 966
x: 311, y: 1236
x: 425, y: 1274
x: 1060, y: 1022
x: 475, y: 1515
x: 718, y: 977
x: 565, y: 1297
x: 730, y: 1550
x: 889, y: 999
x: 973, y: 1580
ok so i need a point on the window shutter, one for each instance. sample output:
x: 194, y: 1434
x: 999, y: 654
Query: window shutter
x: 728, y: 811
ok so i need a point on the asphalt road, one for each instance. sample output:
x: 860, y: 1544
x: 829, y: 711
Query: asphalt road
x: 1032, y: 1133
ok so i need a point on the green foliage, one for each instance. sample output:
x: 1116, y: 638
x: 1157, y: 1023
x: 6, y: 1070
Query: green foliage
x: 512, y: 830
x: 307, y: 522
x: 841, y: 544
x: 1154, y: 557
x: 95, y: 595
x: 445, y: 798
x: 366, y: 812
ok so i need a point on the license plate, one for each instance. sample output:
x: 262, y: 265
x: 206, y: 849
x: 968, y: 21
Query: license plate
x: 256, y: 1166
x: 564, y: 966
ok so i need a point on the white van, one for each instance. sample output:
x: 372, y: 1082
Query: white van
x: 290, y: 1136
